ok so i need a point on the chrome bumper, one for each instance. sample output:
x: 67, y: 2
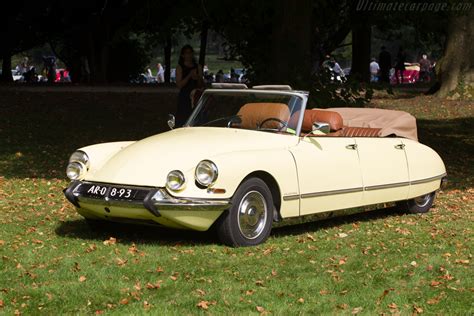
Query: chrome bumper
x: 156, y: 200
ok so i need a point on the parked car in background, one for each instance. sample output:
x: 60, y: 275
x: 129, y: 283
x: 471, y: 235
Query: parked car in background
x: 249, y: 157
x: 411, y: 74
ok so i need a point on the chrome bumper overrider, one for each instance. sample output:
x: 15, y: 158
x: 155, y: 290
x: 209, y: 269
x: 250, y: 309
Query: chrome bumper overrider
x: 156, y: 200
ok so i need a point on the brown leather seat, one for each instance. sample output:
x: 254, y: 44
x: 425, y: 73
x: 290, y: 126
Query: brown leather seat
x: 253, y: 114
x: 334, y: 120
x: 360, y: 132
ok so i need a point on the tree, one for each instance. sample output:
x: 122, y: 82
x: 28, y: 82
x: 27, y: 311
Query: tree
x: 457, y: 63
x: 21, y: 26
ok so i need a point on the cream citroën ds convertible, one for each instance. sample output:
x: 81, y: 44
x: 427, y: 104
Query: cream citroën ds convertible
x: 249, y: 157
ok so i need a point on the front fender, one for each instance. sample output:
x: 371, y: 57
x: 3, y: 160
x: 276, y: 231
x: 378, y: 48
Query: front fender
x: 236, y: 166
x: 99, y: 154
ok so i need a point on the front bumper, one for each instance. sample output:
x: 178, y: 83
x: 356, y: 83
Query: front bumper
x: 191, y: 213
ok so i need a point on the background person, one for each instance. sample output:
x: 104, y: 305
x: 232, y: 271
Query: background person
x: 425, y: 67
x: 188, y: 78
x: 374, y: 70
x: 160, y: 74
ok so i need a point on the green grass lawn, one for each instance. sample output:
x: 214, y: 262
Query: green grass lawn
x: 380, y: 262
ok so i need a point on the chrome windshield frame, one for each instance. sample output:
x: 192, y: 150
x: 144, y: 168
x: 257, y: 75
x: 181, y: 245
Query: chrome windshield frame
x: 303, y: 95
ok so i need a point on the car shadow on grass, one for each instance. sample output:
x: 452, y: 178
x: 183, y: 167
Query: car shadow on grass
x: 130, y: 233
x: 141, y: 234
x: 317, y: 222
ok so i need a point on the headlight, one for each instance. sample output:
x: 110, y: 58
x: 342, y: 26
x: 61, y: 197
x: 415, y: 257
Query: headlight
x: 78, y: 165
x: 175, y: 180
x: 80, y: 156
x: 75, y: 170
x: 206, y: 173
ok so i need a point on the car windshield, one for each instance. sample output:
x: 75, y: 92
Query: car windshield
x: 255, y: 110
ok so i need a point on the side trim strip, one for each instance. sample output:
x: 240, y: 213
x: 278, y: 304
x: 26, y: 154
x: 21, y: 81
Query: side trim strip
x: 386, y: 186
x: 428, y: 179
x: 369, y: 188
x: 332, y: 192
x: 291, y: 197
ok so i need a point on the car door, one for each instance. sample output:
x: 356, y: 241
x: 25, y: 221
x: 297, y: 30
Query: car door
x: 384, y: 168
x: 329, y: 175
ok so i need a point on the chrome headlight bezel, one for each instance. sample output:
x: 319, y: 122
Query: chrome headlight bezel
x: 75, y: 170
x: 206, y: 173
x: 175, y: 180
x: 80, y: 156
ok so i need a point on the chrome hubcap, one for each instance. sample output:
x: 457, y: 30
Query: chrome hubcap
x: 423, y: 200
x: 252, y: 214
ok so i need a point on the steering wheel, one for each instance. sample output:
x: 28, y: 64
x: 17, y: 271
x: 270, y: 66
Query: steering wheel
x: 283, y: 124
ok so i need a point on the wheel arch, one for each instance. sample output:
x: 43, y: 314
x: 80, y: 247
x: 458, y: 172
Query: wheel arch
x: 272, y: 184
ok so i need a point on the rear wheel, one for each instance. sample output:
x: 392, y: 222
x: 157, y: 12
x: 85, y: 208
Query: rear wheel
x: 420, y: 204
x: 249, y: 220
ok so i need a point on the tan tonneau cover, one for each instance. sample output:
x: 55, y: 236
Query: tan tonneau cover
x: 391, y: 122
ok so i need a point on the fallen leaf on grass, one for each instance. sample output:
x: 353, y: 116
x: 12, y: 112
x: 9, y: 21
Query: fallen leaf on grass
x: 152, y: 286
x: 124, y: 301
x: 137, y: 286
x: 310, y: 237
x: 91, y: 247
x: 201, y: 292
x: 121, y: 262
x: 205, y: 304
x: 146, y: 305
x: 417, y: 310
x: 435, y: 283
x: 301, y: 300
x: 110, y: 241
x: 76, y: 267
x: 356, y: 310
x: 435, y: 300
x: 385, y: 293
x: 260, y: 309
x: 2, y: 304
x: 461, y: 261
x: 342, y: 235
x: 82, y: 278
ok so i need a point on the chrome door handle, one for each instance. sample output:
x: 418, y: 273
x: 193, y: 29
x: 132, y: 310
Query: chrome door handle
x: 400, y: 146
x: 352, y: 146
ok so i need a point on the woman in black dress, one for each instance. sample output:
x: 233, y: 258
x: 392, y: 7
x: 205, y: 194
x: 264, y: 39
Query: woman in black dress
x: 188, y: 77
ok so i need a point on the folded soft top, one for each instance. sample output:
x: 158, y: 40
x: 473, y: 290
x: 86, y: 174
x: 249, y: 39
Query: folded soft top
x: 390, y: 122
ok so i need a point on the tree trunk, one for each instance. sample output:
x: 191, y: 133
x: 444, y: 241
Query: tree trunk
x: 457, y: 63
x: 7, y: 67
x: 361, y: 38
x: 168, y: 59
x: 203, y: 46
x: 290, y: 54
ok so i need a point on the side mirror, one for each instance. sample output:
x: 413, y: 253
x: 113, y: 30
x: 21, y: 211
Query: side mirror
x: 321, y: 127
x: 236, y: 120
x: 171, y: 121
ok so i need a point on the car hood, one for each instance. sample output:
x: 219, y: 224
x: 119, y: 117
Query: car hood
x: 147, y: 162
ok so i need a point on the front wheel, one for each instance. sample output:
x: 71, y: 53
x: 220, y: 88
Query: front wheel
x: 420, y: 204
x: 249, y: 220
